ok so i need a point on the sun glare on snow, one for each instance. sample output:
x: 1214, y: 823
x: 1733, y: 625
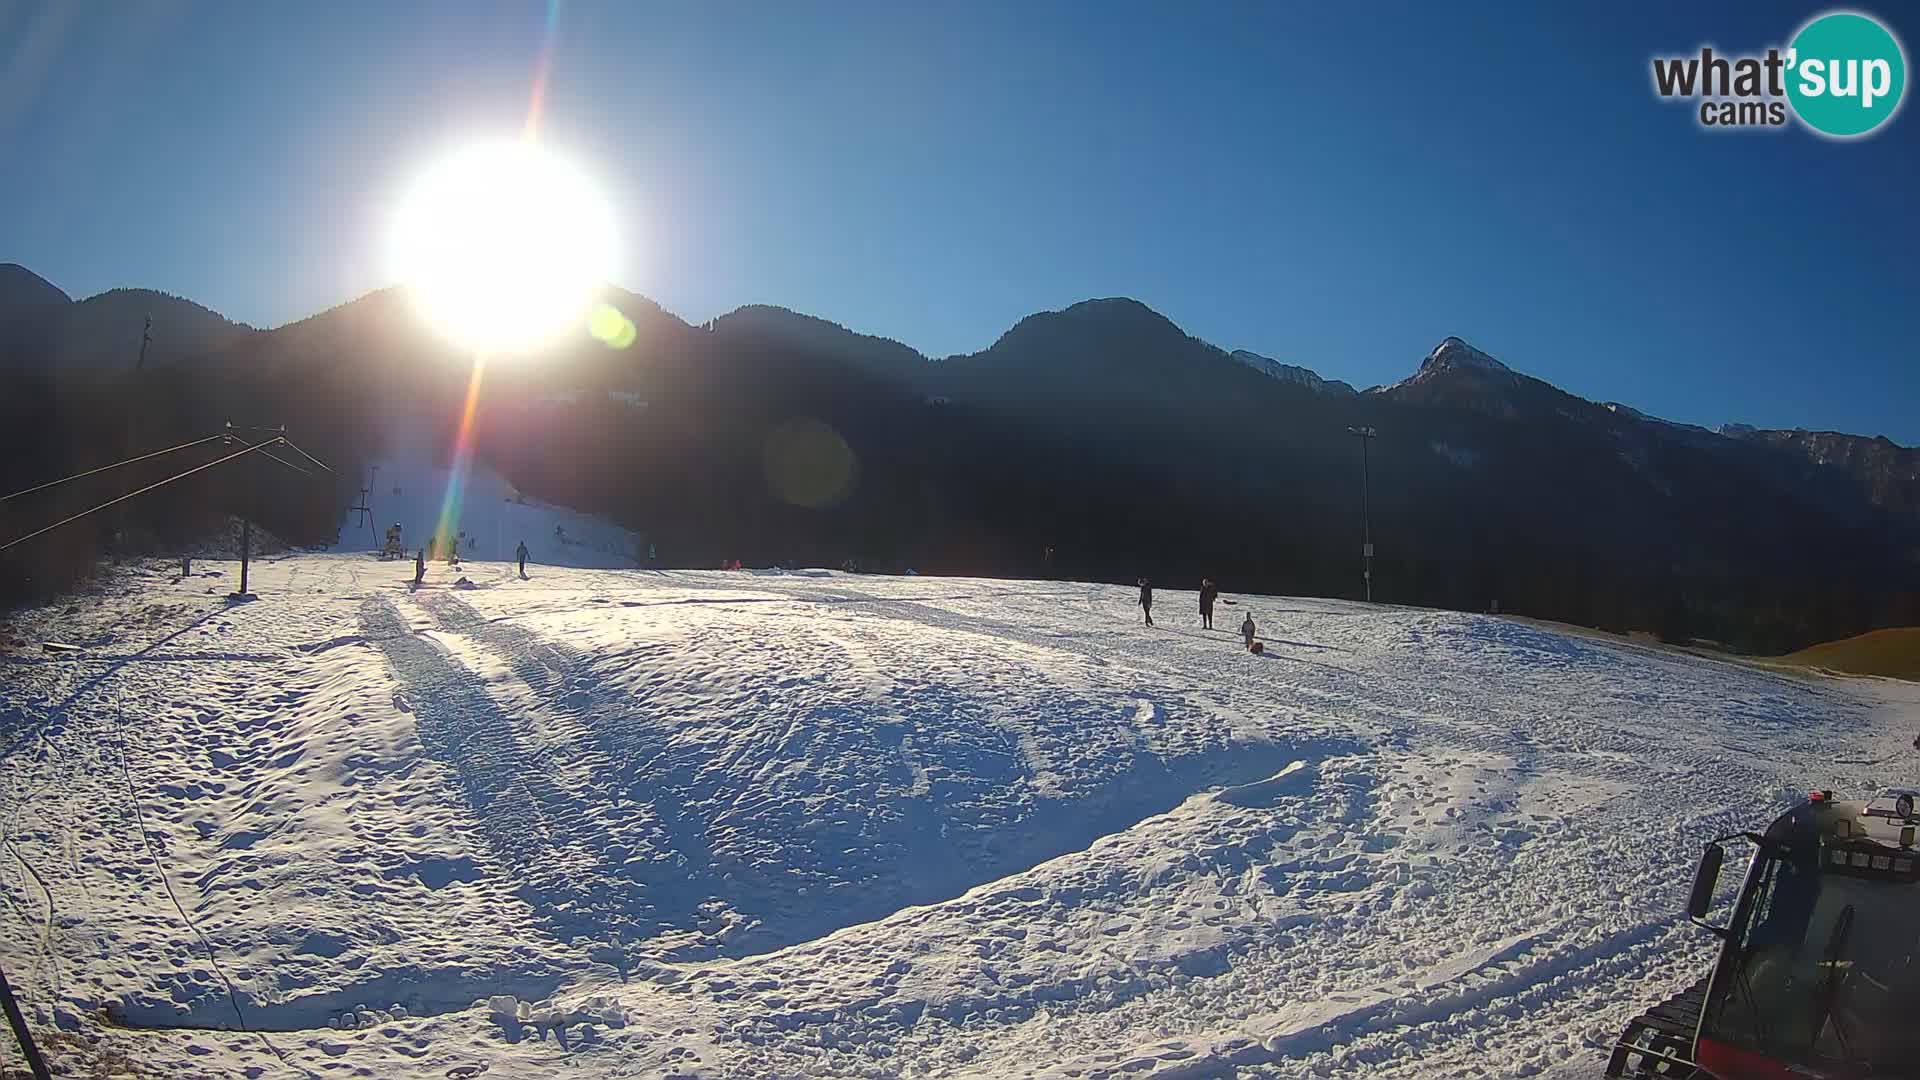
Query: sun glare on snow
x: 503, y: 246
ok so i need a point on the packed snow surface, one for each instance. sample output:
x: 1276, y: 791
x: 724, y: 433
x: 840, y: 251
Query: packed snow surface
x: 625, y: 823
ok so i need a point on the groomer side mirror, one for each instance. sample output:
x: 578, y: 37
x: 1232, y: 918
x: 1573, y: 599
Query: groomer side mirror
x: 1704, y: 879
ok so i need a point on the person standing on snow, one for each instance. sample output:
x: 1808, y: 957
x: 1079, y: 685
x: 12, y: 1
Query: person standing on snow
x: 1247, y: 630
x: 420, y: 567
x: 1146, y: 600
x: 521, y: 554
x: 1208, y: 593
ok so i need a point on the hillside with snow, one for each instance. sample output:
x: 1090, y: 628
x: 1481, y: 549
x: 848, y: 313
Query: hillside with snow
x: 632, y: 823
x: 411, y: 489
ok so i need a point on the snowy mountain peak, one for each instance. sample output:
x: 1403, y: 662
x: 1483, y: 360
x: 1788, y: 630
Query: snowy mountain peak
x: 1452, y: 352
x: 1291, y: 373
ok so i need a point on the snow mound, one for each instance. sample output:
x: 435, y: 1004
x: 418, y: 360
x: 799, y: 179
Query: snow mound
x: 1292, y: 780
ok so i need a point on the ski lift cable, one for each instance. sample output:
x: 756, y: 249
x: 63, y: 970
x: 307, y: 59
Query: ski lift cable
x: 129, y: 495
x: 115, y: 465
x: 262, y: 447
x: 264, y: 452
x: 304, y: 454
x: 279, y: 440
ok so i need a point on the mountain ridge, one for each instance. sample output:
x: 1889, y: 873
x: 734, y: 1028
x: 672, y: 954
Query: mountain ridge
x: 22, y: 290
x: 105, y: 331
x: 772, y: 436
x: 1452, y: 353
x: 1293, y: 373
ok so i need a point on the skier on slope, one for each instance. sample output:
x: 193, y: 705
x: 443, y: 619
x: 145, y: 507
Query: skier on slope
x: 1208, y: 593
x: 1146, y: 600
x: 1247, y: 630
x: 521, y: 554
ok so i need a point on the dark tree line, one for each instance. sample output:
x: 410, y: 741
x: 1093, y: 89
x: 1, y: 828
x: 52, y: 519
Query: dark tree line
x: 1102, y: 432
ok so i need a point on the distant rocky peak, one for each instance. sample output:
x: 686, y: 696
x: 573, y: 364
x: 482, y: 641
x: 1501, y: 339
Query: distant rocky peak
x: 1452, y: 352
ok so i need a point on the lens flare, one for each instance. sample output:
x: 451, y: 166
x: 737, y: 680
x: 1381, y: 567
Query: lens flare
x: 610, y: 327
x: 808, y: 464
x: 446, y: 529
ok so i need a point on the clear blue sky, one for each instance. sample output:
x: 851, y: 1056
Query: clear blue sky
x: 1334, y: 185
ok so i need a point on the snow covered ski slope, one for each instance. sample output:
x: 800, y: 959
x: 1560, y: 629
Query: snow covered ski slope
x: 410, y: 488
x: 619, y: 823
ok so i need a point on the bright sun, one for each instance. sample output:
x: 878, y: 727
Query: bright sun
x: 503, y: 245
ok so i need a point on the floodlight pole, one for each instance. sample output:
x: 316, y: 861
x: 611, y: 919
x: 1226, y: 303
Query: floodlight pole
x: 246, y: 518
x: 1365, y: 435
x: 247, y: 508
x: 139, y: 365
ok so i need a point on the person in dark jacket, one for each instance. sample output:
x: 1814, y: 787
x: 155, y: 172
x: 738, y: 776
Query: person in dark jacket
x: 1146, y: 600
x: 1208, y: 593
x: 1248, y: 630
x: 521, y: 554
x: 420, y: 566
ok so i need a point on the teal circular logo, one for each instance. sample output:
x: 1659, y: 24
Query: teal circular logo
x: 1846, y: 74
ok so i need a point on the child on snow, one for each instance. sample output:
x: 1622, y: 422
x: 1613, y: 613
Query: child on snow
x: 1247, y: 630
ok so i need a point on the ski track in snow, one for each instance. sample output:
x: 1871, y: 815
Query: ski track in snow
x: 632, y: 824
